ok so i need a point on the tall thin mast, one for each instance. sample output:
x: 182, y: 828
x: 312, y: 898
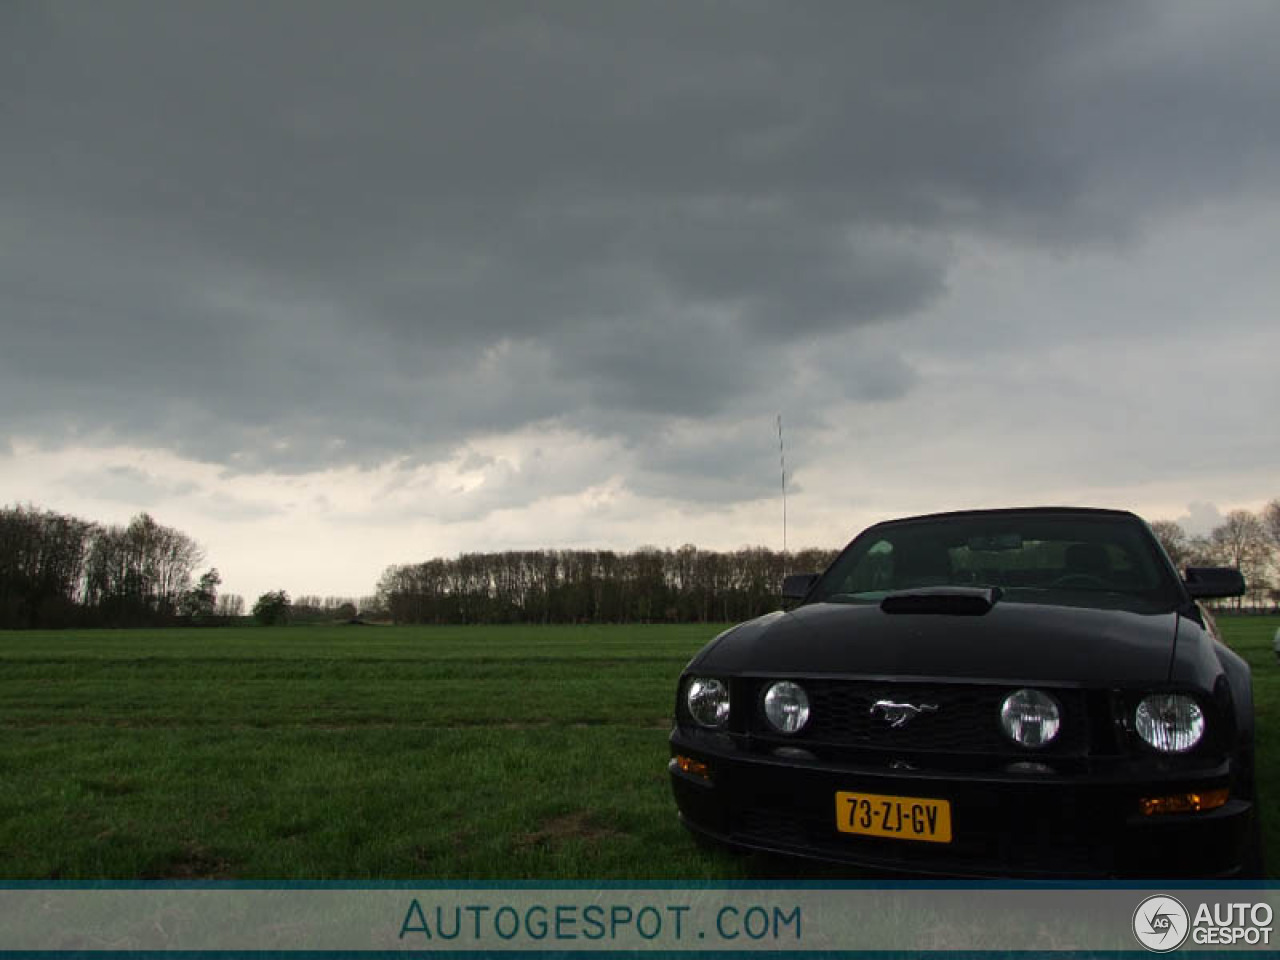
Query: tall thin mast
x: 782, y: 463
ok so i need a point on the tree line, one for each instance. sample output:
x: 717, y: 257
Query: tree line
x: 61, y: 571
x: 693, y: 585
x: 592, y: 586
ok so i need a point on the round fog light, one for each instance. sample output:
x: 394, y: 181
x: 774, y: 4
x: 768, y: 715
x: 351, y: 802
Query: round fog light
x: 1030, y: 718
x: 1169, y: 722
x: 786, y: 707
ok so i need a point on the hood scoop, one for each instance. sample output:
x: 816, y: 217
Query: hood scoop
x: 948, y: 601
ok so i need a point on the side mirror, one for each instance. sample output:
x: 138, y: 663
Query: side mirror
x: 1204, y: 583
x: 797, y: 586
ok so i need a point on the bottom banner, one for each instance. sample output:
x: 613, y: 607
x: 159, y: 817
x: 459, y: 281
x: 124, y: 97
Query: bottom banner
x: 240, y: 919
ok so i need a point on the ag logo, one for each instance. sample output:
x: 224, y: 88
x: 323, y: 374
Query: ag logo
x: 1161, y: 923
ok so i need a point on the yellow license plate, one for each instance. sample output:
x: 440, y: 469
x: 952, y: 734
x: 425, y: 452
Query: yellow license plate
x: 904, y: 818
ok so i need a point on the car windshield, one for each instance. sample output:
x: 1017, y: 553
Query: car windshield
x: 1090, y: 560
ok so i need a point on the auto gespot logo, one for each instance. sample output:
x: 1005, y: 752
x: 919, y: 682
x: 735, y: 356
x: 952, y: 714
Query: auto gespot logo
x: 1161, y: 923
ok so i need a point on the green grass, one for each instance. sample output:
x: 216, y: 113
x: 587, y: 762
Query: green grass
x: 1251, y: 637
x: 329, y: 752
x: 334, y: 752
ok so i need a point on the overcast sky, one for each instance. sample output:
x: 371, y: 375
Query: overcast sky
x: 330, y: 286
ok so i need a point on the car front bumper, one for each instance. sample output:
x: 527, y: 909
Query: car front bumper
x: 1019, y: 821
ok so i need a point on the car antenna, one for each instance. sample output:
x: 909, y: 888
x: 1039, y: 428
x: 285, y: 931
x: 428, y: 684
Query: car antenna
x: 782, y: 463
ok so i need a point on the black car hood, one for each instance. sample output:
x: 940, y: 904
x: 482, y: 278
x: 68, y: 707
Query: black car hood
x: 1012, y: 642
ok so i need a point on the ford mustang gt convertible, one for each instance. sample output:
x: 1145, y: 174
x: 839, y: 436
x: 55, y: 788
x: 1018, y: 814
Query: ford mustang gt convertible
x: 1032, y: 693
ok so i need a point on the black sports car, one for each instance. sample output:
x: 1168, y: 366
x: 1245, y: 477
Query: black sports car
x: 1028, y: 692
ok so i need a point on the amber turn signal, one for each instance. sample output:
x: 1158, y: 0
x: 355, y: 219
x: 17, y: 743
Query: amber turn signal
x: 691, y: 766
x: 1184, y: 802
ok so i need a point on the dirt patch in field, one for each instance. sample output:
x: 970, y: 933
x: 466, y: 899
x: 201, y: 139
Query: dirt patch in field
x: 193, y: 862
x: 109, y: 786
x: 422, y: 856
x: 554, y: 833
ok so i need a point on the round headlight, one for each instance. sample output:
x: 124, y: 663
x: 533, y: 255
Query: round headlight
x: 786, y: 706
x: 1169, y: 722
x: 708, y: 701
x: 1030, y: 718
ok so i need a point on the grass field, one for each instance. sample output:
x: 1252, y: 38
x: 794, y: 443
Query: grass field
x: 372, y: 753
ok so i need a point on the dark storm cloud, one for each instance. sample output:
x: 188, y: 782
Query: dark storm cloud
x: 294, y: 235
x: 716, y: 470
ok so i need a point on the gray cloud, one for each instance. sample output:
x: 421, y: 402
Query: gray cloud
x: 222, y: 507
x: 291, y: 236
x: 1201, y: 518
x: 129, y: 485
x: 709, y: 468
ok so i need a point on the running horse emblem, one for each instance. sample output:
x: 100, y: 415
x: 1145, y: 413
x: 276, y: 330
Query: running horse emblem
x: 899, y: 714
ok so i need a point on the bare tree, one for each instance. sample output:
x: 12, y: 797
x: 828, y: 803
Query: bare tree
x: 1174, y: 540
x: 42, y: 563
x: 1271, y: 522
x: 1241, y: 538
x: 1241, y: 541
x: 57, y: 570
x: 1270, y: 518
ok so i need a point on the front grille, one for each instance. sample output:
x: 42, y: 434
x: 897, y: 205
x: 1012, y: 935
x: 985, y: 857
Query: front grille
x: 967, y: 719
